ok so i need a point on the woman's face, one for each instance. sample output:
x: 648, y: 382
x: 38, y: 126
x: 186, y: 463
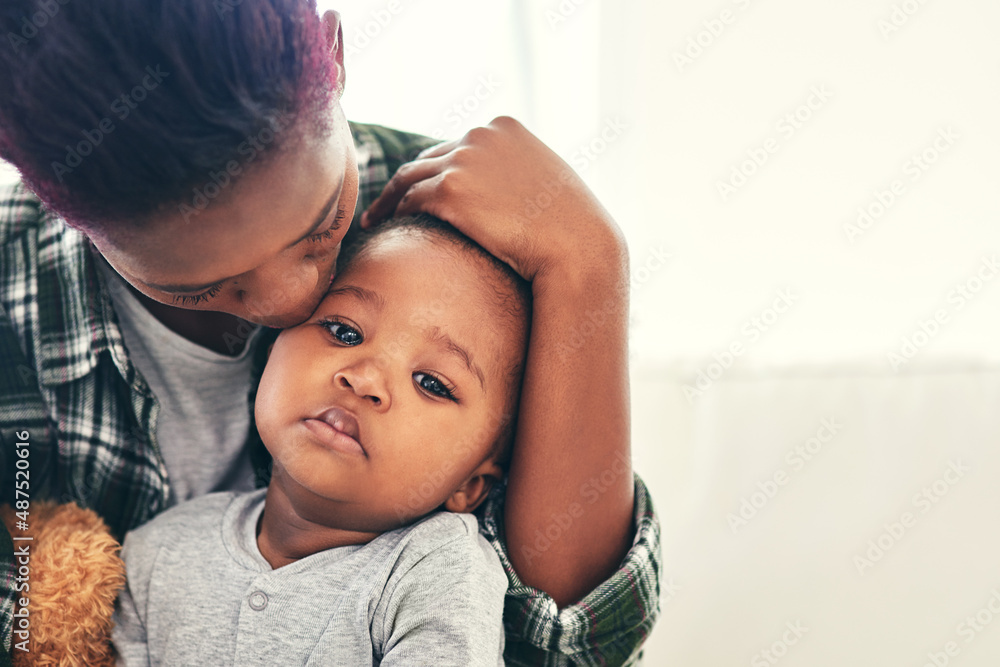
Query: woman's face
x: 263, y: 249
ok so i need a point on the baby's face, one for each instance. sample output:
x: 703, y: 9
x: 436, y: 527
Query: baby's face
x: 380, y: 405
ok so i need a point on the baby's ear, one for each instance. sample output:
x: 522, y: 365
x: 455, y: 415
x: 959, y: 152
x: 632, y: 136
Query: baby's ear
x: 474, y: 490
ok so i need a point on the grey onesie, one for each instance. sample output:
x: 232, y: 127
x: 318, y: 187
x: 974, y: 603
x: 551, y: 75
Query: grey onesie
x: 199, y: 592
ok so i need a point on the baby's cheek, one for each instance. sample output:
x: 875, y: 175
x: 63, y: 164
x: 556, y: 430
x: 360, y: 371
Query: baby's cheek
x: 269, y: 405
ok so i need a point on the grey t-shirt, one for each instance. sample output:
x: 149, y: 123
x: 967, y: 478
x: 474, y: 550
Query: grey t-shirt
x: 204, y: 416
x: 199, y: 592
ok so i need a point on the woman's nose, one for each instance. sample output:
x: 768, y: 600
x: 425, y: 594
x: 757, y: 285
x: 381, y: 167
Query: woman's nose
x: 280, y: 287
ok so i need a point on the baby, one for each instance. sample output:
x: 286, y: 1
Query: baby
x: 394, y: 401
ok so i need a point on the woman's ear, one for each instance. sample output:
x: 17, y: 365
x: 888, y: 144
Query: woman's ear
x: 474, y: 490
x: 335, y: 40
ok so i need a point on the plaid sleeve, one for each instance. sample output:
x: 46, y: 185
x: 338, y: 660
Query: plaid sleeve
x: 381, y: 151
x: 608, y: 626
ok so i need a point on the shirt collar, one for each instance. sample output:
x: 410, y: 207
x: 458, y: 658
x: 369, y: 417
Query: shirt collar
x: 76, y: 320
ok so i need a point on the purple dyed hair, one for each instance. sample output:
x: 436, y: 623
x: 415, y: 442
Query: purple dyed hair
x: 152, y: 96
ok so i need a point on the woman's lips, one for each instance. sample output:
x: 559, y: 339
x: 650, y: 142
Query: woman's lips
x: 337, y: 429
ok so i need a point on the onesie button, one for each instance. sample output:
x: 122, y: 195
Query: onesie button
x: 258, y: 600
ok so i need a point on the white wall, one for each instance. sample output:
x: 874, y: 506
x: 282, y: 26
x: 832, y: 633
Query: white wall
x: 831, y: 503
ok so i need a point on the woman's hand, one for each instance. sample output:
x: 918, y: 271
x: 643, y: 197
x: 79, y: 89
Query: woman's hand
x: 513, y: 195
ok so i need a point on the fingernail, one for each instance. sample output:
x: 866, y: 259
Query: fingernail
x: 364, y: 220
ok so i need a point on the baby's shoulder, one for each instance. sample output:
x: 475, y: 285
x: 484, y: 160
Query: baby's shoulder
x: 449, y: 537
x: 442, y: 528
x: 191, y: 519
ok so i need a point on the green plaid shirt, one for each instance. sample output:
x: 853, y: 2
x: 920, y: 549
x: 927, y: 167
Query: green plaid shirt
x: 66, y: 379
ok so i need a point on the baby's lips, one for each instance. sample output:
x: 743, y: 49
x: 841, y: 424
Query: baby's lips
x: 343, y: 421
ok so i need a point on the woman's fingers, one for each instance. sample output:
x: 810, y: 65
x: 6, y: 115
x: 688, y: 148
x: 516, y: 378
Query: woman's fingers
x: 438, y: 149
x: 406, y: 176
x: 422, y: 196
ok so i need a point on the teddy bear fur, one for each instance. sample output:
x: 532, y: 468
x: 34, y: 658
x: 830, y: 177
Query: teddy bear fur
x: 75, y: 576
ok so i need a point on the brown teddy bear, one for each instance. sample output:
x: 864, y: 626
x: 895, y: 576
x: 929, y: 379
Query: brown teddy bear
x: 75, y: 576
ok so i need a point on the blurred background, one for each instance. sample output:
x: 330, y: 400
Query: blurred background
x: 809, y: 194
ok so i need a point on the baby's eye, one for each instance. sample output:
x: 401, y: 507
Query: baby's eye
x: 432, y: 385
x: 342, y: 333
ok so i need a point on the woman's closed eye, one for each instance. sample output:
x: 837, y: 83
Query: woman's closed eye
x: 194, y: 299
x: 211, y: 292
x: 341, y: 332
x: 434, y: 386
x: 335, y: 226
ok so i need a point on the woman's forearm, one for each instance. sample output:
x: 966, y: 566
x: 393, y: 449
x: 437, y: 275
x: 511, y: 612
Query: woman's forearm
x: 569, y: 500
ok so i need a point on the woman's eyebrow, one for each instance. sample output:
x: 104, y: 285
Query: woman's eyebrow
x: 324, y: 212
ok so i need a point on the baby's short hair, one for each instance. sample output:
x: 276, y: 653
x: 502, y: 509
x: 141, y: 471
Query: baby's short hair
x: 509, y: 294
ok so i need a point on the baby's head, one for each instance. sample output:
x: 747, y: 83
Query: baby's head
x: 399, y: 395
